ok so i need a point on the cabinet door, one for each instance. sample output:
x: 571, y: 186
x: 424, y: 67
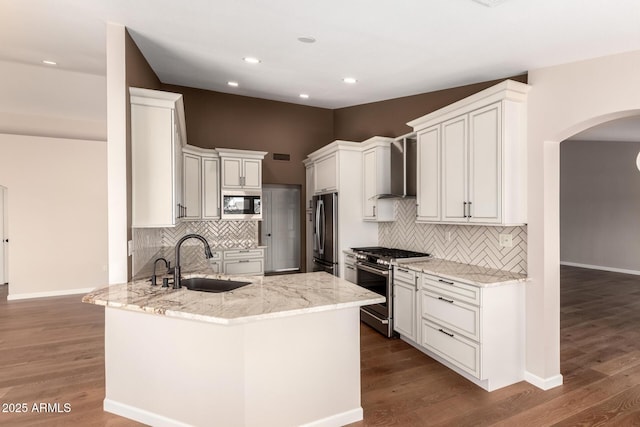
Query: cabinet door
x: 244, y: 266
x: 454, y: 169
x: 370, y: 178
x: 231, y: 172
x: 252, y: 173
x: 485, y: 160
x: 192, y: 193
x: 404, y: 310
x: 152, y: 167
x: 309, y: 189
x: 428, y: 188
x: 210, y: 191
x: 326, y: 174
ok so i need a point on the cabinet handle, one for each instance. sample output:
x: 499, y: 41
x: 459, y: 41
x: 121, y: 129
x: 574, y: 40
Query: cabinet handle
x: 403, y: 270
x: 349, y: 267
x: 243, y: 251
x: 469, y: 209
x: 446, y: 333
x: 464, y: 209
x: 447, y: 300
x: 244, y: 260
x: 374, y: 211
x: 444, y: 281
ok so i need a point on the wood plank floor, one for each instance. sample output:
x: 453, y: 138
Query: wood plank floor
x: 52, y: 350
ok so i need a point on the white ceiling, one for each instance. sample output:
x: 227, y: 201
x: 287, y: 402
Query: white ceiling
x: 393, y: 48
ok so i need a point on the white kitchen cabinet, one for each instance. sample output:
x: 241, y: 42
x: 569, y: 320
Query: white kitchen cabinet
x: 326, y: 174
x: 376, y: 181
x: 350, y: 273
x: 480, y: 144
x: 157, y: 136
x: 243, y: 262
x: 428, y: 175
x: 201, y: 189
x: 241, y: 169
x: 404, y: 303
x: 477, y: 331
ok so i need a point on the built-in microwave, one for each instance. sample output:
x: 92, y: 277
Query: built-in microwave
x: 241, y: 204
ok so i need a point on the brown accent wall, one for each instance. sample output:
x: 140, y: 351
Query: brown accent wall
x: 389, y: 117
x: 138, y: 74
x: 216, y: 119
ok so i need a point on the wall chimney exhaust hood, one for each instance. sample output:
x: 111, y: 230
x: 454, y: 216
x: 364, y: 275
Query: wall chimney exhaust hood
x: 403, y: 168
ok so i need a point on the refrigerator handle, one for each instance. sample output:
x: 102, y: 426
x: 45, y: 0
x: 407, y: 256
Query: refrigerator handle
x: 316, y: 235
x: 322, y: 234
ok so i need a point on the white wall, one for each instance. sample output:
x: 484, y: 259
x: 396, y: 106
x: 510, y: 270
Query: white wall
x: 564, y: 100
x: 53, y: 160
x: 600, y: 205
x: 57, y: 214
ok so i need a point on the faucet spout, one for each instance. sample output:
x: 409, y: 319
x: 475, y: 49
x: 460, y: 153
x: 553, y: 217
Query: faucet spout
x: 176, y: 269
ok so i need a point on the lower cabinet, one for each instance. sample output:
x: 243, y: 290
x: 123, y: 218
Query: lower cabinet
x: 404, y: 303
x: 350, y: 273
x: 243, y: 262
x: 476, y: 331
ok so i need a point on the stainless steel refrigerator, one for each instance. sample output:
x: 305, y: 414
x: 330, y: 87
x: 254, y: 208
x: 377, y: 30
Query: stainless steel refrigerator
x: 325, y: 233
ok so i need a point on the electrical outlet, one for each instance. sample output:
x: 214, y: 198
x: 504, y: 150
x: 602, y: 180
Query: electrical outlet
x: 130, y: 247
x: 506, y: 240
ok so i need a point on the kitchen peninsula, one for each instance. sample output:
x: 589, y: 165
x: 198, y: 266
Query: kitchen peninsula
x: 284, y: 350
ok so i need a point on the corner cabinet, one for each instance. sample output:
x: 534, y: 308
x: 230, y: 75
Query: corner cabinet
x: 241, y: 169
x: 201, y: 171
x: 472, y: 159
x: 376, y: 181
x: 157, y: 136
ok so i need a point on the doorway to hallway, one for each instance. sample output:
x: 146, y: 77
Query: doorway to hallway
x: 280, y: 228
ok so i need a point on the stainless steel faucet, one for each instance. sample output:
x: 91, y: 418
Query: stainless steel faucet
x: 176, y: 269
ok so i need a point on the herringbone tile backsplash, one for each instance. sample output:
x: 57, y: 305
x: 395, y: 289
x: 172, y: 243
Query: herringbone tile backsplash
x: 149, y: 242
x: 469, y: 244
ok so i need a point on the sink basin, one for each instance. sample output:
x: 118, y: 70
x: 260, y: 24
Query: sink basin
x: 204, y: 284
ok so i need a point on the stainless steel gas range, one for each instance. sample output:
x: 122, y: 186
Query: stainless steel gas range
x: 374, y: 268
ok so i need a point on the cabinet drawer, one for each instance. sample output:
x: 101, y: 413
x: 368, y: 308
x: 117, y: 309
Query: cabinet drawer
x: 350, y: 273
x: 244, y: 266
x: 404, y: 275
x: 463, y: 353
x: 243, y: 253
x: 456, y: 290
x: 452, y: 314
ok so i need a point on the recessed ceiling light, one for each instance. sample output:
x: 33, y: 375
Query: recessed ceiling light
x: 490, y: 3
x: 251, y: 60
x: 234, y: 84
x: 304, y: 96
x: 306, y: 39
x: 49, y: 62
x: 349, y: 80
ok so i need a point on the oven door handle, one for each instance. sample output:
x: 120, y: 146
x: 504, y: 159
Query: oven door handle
x: 372, y: 270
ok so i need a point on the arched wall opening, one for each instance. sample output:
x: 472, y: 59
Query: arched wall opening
x: 564, y: 101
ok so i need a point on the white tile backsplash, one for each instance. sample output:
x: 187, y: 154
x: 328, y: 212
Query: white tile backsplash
x: 469, y: 244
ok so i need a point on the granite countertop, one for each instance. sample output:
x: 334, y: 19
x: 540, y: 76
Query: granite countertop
x: 466, y: 273
x: 267, y: 297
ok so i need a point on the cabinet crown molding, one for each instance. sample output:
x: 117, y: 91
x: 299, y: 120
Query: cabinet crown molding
x: 232, y: 152
x: 376, y: 141
x: 509, y: 90
x: 192, y: 149
x: 333, y: 147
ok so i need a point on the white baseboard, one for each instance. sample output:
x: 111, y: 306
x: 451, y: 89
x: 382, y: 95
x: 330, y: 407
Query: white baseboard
x: 600, y: 267
x: 543, y: 383
x: 338, y: 420
x: 140, y: 415
x: 13, y: 297
x: 156, y: 420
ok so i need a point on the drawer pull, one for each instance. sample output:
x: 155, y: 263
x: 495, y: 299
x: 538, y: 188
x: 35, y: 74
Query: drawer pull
x: 446, y: 333
x: 350, y: 267
x: 447, y: 300
x: 403, y: 270
x: 244, y: 260
x: 444, y: 281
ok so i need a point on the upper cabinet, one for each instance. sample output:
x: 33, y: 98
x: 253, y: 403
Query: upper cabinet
x: 326, y: 174
x: 157, y: 136
x: 201, y: 171
x: 376, y: 181
x: 241, y: 169
x: 472, y: 159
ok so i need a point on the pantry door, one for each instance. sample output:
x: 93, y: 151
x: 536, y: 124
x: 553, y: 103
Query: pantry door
x: 280, y: 231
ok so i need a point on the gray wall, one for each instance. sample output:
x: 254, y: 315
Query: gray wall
x: 600, y: 204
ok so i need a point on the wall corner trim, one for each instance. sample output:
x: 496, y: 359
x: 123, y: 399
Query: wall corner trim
x: 543, y: 383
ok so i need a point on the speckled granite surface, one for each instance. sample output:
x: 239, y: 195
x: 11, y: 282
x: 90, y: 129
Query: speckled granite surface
x: 467, y: 273
x: 267, y: 297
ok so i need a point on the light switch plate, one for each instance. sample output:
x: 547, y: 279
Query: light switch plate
x: 506, y: 240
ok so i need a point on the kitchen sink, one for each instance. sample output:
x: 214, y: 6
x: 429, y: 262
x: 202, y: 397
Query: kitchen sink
x: 204, y: 284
